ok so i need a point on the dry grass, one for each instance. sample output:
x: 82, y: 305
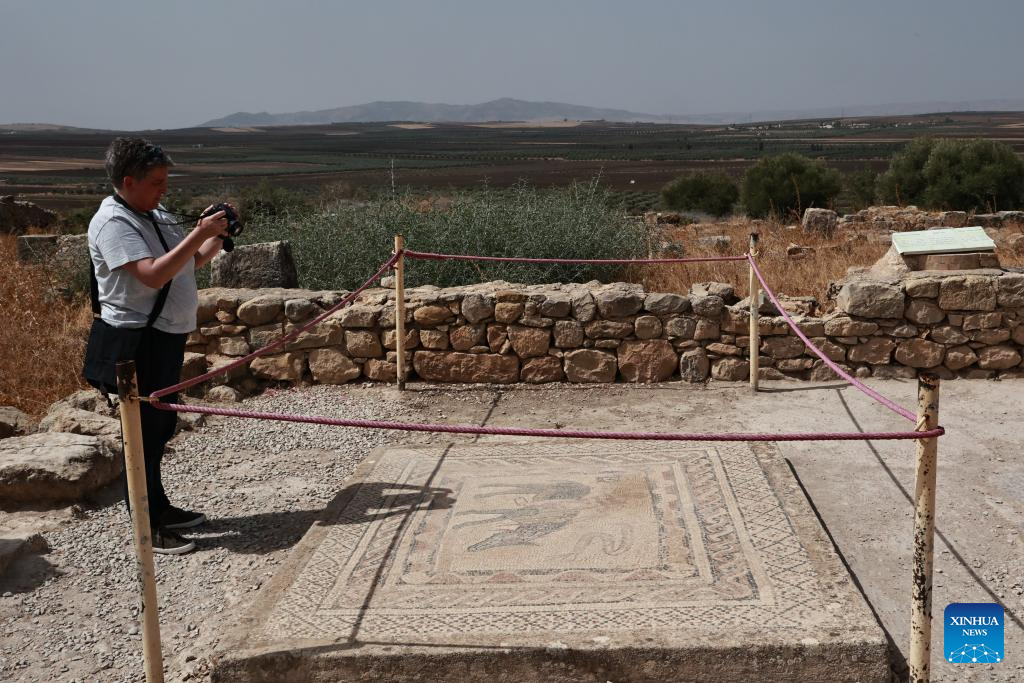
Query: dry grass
x: 807, y: 276
x: 43, y: 340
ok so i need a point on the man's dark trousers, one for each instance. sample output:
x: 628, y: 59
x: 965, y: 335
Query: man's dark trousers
x: 158, y: 365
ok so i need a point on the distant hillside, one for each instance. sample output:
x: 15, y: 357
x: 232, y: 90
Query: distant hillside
x: 508, y: 109
x: 505, y: 109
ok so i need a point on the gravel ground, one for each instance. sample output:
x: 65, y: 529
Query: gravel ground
x: 71, y: 615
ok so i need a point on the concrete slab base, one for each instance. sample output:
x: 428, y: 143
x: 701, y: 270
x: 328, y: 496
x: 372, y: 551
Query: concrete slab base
x: 562, y: 561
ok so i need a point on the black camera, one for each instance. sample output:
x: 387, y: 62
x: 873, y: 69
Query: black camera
x: 235, y: 226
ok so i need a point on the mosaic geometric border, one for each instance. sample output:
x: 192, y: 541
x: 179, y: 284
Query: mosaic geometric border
x: 726, y: 552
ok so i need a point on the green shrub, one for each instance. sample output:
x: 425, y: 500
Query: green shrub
x: 974, y: 175
x: 266, y: 199
x: 713, y: 193
x: 904, y: 182
x: 963, y: 175
x: 340, y: 245
x: 788, y: 183
x: 861, y: 185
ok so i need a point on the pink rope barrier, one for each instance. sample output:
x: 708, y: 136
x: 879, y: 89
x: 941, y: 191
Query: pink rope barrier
x: 286, y: 338
x: 888, y: 403
x: 423, y: 255
x: 560, y: 433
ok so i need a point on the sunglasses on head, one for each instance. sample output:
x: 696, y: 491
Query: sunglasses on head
x: 151, y: 152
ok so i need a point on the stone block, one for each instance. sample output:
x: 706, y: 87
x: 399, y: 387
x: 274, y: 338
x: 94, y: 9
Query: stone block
x: 434, y: 340
x: 821, y: 222
x: 706, y: 329
x: 924, y: 312
x: 508, y: 311
x: 432, y: 316
x: 584, y: 308
x: 647, y: 327
x: 968, y: 293
x: 331, y: 366
x: 922, y: 288
x: 707, y: 306
x: 875, y: 351
x: 870, y: 299
x: 587, y: 365
x: 783, y: 347
x: 613, y: 302
x: 232, y: 346
x: 1010, y: 290
x: 998, y: 358
x: 960, y: 357
x: 665, y: 304
x: 920, y: 353
x: 454, y: 366
x: 541, y: 370
x: 990, y: 337
x: 694, y: 365
x: 477, y: 308
x: 363, y: 344
x: 845, y: 327
x: 465, y: 337
x: 647, y: 361
x: 680, y: 328
x: 260, y: 310
x: 380, y: 370
x: 53, y: 468
x: 608, y: 329
x: 298, y: 310
x: 388, y: 337
x: 948, y: 335
x: 284, y: 367
x: 730, y: 370
x: 555, y: 306
x: 529, y: 342
x: 325, y: 333
x: 497, y: 337
x: 255, y: 266
x: 359, y: 316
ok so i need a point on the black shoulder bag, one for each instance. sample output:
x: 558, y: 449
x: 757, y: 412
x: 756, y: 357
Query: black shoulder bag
x: 109, y: 345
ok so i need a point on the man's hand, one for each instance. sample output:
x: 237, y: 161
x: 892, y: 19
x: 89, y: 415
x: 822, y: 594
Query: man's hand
x: 213, y: 225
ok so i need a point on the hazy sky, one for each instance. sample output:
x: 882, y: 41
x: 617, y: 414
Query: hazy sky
x: 143, y: 64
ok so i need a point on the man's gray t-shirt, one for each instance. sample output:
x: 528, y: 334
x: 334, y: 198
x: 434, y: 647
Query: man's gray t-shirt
x: 118, y: 236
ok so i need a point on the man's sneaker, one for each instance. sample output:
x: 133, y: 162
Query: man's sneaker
x: 167, y: 542
x: 176, y: 518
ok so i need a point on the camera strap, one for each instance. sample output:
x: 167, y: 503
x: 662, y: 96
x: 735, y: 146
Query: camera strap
x: 161, y: 297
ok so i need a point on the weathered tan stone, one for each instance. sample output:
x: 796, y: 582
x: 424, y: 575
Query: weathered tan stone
x: 820, y: 222
x: 904, y: 331
x: 465, y: 337
x: 870, y: 299
x: 982, y: 321
x: 363, y: 344
x: 55, y: 467
x: 720, y: 349
x: 783, y: 347
x: 225, y: 317
x: 1017, y: 334
x: 795, y: 364
x: 224, y: 394
x: 1011, y: 290
x: 835, y: 352
x: 359, y: 316
x: 568, y: 334
x: 948, y: 335
x: 587, y: 365
x: 680, y: 328
x: 660, y: 303
x: 706, y: 329
x: 812, y: 327
x: 647, y: 327
x: 845, y: 327
x: 233, y: 330
x: 920, y: 353
x: 298, y: 310
x: 735, y: 320
x: 555, y: 306
x: 647, y: 361
x: 893, y: 372
x: 260, y: 310
x: 608, y: 329
x: 730, y: 370
x: 529, y: 342
x: 607, y: 343
x: 265, y: 335
x: 694, y: 365
x: 454, y: 366
x: 613, y: 302
x: 431, y: 316
x: 768, y: 326
x: 967, y: 293
x: 584, y: 308
x: 388, y: 337
x: 960, y: 357
x: 331, y: 366
x: 924, y: 312
x: 232, y: 346
x: 508, y: 311
x: 990, y: 337
x: 477, y: 308
x: 435, y: 340
x: 922, y: 288
x: 497, y: 337
x: 541, y: 370
x: 511, y: 296
x: 325, y: 333
x: 998, y: 358
x: 380, y: 370
x: 709, y: 306
x: 286, y: 367
x: 876, y: 351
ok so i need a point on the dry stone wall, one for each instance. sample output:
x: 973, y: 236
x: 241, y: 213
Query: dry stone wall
x: 969, y: 325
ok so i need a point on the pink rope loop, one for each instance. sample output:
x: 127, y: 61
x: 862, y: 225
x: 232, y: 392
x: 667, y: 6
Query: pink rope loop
x: 888, y: 403
x: 286, y: 338
x: 556, y: 433
x: 607, y: 262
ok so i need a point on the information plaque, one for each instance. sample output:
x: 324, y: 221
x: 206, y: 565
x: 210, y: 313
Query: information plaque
x: 944, y: 241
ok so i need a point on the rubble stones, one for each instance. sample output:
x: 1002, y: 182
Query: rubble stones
x: 647, y: 361
x: 920, y: 353
x: 587, y: 365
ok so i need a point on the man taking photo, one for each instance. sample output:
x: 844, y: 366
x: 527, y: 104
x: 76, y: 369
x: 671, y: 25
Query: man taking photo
x: 144, y: 302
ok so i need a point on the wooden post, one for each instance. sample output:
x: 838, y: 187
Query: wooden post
x: 924, y: 530
x: 135, y: 469
x: 400, y: 311
x: 755, y: 305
